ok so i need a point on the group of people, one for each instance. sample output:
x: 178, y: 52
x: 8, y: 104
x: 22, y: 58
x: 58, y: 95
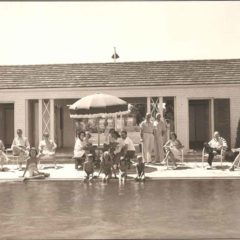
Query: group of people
x: 153, y: 135
x: 153, y: 139
x: 25, y: 153
x: 117, y: 152
x: 108, y: 167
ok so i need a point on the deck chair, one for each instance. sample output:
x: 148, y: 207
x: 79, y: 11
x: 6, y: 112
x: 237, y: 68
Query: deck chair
x: 236, y: 162
x: 166, y: 159
x: 12, y: 158
x: 3, y: 159
x: 205, y: 155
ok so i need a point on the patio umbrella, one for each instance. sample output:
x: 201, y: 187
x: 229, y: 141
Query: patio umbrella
x: 98, y: 106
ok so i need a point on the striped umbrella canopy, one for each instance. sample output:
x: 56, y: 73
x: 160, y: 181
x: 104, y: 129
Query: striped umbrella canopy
x: 98, y: 105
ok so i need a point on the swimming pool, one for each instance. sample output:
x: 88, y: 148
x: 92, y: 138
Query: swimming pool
x: 155, y: 209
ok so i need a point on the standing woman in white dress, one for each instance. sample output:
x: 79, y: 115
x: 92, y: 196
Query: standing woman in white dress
x: 159, y: 132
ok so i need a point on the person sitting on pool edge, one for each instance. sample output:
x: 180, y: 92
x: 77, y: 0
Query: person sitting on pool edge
x: 31, y: 167
x: 88, y: 167
x: 123, y: 166
x: 140, y: 169
x: 106, y: 166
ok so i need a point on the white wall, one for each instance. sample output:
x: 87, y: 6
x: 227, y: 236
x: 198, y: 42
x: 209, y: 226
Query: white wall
x: 182, y: 94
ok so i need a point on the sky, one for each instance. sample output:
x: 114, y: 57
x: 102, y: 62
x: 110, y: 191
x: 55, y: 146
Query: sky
x: 87, y: 32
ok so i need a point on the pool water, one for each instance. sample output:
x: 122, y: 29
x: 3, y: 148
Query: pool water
x: 155, y: 209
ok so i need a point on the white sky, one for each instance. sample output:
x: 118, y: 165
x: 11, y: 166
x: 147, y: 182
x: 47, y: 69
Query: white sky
x: 77, y: 32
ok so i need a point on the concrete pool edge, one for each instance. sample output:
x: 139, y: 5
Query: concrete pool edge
x: 116, y: 180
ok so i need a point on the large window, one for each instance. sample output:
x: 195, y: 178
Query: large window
x: 138, y: 112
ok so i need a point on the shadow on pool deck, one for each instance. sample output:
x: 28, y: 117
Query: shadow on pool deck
x: 190, y: 170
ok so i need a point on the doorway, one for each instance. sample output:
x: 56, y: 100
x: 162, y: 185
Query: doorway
x: 7, y: 123
x: 199, y: 123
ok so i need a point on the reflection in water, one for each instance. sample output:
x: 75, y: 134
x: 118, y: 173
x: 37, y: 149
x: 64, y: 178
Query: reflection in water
x: 158, y: 209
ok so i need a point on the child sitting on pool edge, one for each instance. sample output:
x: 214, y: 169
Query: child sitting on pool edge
x: 123, y: 166
x: 88, y: 167
x: 106, y: 166
x: 140, y: 167
x: 31, y: 167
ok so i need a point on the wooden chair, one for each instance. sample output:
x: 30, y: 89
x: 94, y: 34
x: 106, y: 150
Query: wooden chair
x: 205, y: 155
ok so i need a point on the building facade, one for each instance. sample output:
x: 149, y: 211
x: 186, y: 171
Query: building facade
x: 196, y: 97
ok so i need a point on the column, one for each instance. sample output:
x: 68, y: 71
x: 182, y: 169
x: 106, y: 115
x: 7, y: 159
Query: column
x: 52, y: 127
x: 27, y: 118
x: 40, y: 119
x: 234, y: 118
x: 121, y: 121
x: 149, y: 104
x: 115, y: 118
x: 182, y: 120
x: 20, y: 115
x: 212, y: 117
x: 160, y: 106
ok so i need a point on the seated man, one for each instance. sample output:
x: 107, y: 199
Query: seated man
x: 47, y: 148
x: 20, y: 147
x: 128, y: 149
x: 215, y: 146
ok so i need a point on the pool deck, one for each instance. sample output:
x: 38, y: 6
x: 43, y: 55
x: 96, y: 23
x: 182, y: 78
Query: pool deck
x: 189, y: 170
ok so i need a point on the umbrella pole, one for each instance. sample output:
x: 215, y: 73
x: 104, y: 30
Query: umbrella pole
x: 98, y: 130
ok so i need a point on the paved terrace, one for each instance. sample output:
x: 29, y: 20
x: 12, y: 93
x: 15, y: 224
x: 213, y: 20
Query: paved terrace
x: 191, y: 169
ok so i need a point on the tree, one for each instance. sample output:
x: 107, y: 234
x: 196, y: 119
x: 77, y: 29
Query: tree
x: 237, y: 144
